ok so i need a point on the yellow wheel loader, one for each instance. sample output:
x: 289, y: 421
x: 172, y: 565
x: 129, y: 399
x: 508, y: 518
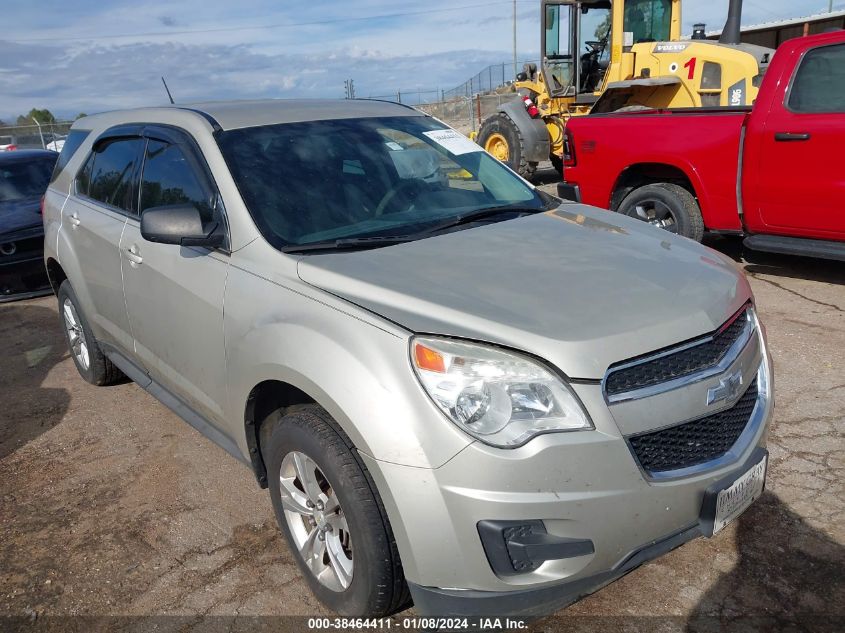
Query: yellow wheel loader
x: 606, y: 56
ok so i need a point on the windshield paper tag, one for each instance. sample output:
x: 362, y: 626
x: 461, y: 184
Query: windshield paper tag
x: 453, y: 141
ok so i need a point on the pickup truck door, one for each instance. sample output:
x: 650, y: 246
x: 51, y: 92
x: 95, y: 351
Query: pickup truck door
x: 801, y: 178
x: 174, y: 294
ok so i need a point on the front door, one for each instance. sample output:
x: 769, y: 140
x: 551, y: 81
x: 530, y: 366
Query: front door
x: 802, y: 171
x: 174, y: 294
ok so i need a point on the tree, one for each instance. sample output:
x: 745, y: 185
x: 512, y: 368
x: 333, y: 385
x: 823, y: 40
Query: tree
x: 42, y: 116
x: 80, y: 115
x: 603, y: 29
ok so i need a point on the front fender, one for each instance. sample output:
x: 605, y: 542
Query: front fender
x: 337, y: 354
x: 535, y: 136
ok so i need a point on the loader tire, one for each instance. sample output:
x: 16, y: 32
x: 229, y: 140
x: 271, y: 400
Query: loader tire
x: 501, y: 137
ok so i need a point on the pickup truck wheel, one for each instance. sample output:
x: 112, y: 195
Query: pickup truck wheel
x: 501, y: 137
x: 89, y: 359
x: 329, y: 510
x: 666, y: 206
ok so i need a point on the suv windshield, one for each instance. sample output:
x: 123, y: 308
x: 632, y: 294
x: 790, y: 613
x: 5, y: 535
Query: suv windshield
x: 322, y: 181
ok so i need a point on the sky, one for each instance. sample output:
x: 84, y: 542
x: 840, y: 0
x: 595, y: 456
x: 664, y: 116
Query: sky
x: 95, y: 55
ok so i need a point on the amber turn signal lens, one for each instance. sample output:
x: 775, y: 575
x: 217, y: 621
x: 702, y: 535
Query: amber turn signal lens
x: 428, y: 359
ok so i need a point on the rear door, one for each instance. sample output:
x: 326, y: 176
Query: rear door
x: 92, y: 221
x: 174, y: 294
x: 802, y: 178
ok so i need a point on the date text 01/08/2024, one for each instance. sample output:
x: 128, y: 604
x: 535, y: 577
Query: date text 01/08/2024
x: 418, y: 624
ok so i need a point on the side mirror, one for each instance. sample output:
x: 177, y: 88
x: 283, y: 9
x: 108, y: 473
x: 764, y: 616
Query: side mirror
x: 179, y: 224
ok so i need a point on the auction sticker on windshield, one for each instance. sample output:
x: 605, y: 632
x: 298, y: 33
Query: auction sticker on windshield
x: 453, y: 141
x: 733, y: 500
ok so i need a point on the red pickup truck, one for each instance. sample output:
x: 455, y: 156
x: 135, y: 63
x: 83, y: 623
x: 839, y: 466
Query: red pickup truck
x: 774, y: 172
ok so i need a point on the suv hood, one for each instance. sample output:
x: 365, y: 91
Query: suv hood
x: 580, y: 287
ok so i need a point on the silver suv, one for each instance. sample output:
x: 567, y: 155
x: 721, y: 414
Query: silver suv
x: 459, y: 390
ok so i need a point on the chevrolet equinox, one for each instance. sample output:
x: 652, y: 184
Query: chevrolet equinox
x: 460, y: 391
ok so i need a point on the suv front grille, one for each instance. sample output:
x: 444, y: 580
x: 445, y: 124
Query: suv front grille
x: 676, y: 364
x: 696, y: 442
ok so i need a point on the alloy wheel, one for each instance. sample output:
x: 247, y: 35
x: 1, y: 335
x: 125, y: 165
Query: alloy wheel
x: 657, y: 214
x: 75, y: 334
x: 316, y: 521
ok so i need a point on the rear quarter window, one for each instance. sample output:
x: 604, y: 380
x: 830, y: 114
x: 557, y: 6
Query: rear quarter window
x: 72, y: 143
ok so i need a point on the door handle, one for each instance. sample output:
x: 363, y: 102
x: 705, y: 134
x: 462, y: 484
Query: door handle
x: 133, y: 256
x: 74, y: 219
x: 792, y: 136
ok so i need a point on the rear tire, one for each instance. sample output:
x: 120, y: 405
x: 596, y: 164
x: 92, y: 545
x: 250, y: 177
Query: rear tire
x: 500, y: 136
x: 89, y: 359
x: 353, y: 567
x: 667, y: 206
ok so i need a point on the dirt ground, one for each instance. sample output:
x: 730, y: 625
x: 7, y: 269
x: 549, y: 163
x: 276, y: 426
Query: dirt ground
x: 112, y: 506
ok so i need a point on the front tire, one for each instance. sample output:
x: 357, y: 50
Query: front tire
x: 89, y: 359
x: 667, y: 206
x: 329, y: 510
x: 500, y: 137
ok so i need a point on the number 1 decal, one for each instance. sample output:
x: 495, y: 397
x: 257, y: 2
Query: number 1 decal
x: 691, y: 65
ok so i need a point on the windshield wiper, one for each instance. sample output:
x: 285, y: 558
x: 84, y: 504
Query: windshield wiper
x: 480, y: 214
x: 349, y: 243
x: 375, y: 241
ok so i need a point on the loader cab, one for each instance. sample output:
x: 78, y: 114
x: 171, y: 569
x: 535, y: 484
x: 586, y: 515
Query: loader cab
x: 580, y: 40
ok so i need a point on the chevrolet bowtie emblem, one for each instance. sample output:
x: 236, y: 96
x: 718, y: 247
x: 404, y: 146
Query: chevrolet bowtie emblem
x: 728, y: 389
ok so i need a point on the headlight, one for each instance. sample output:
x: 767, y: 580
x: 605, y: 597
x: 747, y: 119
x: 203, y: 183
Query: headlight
x: 501, y: 398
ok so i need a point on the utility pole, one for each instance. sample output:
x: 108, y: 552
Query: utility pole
x: 40, y: 134
x: 514, y: 38
x: 349, y: 85
x: 830, y: 6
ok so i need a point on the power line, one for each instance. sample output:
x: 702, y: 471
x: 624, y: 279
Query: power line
x: 286, y: 25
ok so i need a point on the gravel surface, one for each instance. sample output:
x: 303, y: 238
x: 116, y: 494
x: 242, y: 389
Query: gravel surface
x: 112, y: 506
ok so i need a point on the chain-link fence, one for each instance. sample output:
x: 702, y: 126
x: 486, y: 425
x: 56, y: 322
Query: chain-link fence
x: 412, y: 97
x: 487, y: 80
x: 466, y: 114
x: 34, y: 136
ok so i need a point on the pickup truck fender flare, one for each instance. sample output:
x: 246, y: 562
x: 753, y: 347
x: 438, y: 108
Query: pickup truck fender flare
x: 535, y: 136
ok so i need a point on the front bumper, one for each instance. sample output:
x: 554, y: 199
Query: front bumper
x: 22, y: 271
x: 585, y: 487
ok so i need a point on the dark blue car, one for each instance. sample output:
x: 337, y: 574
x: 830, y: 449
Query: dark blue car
x: 24, y: 176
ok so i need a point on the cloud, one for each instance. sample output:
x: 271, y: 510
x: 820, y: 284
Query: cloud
x: 384, y: 56
x: 98, y: 78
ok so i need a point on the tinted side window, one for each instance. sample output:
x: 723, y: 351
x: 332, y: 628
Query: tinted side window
x: 72, y: 143
x: 172, y: 178
x: 819, y: 84
x: 112, y: 171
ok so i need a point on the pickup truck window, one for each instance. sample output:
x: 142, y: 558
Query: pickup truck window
x: 819, y: 84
